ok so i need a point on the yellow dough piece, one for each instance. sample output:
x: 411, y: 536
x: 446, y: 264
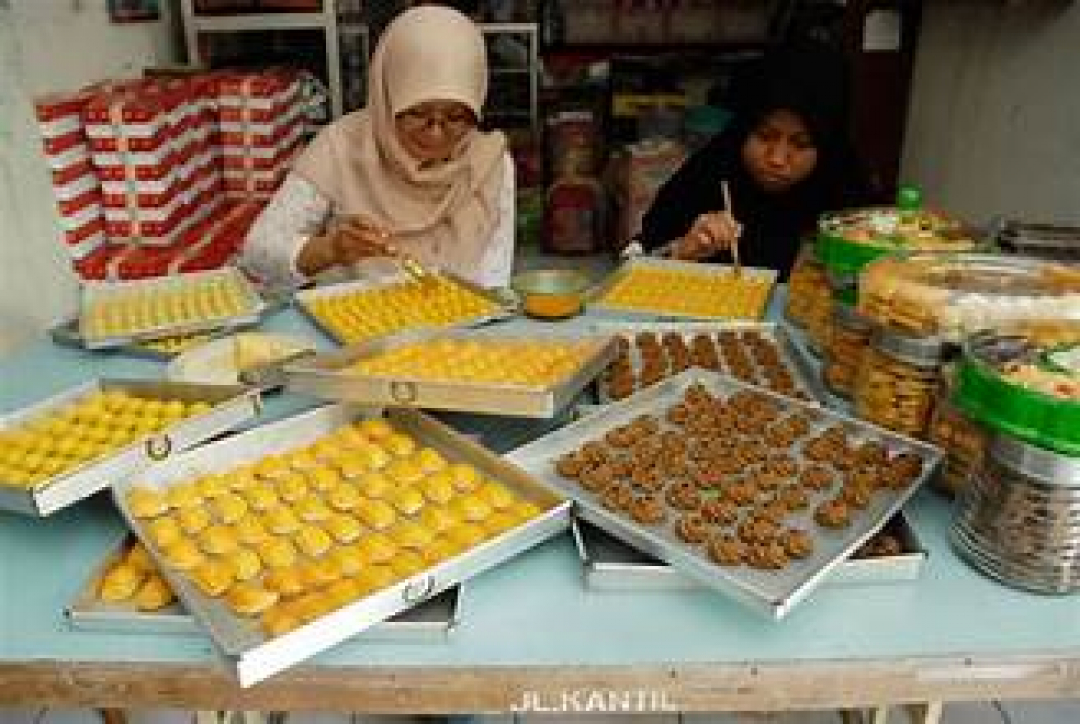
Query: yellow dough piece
x: 272, y: 467
x: 182, y: 554
x: 343, y: 497
x: 250, y: 530
x: 465, y: 536
x: 496, y: 495
x: 430, y: 460
x: 279, y: 620
x: 154, y: 594
x: 439, y: 487
x: 144, y: 502
x: 408, y: 500
x: 316, y: 574
x: 343, y: 528
x: 250, y: 599
x: 347, y: 560
x: 245, y: 563
x: 375, y: 578
x: 375, y: 428
x: 311, y: 509
x: 438, y: 551
x: 404, y: 470
x: 285, y: 581
x: 436, y: 519
x: 276, y: 552
x: 373, y: 484
x: 217, y: 540
x: 410, y: 534
x: 261, y: 497
x: 342, y: 592
x: 470, y: 508
x: 499, y: 522
x: 184, y: 495
x: 163, y: 531
x: 194, y: 520
x: 121, y: 583
x: 324, y: 477
x: 212, y: 486
x: 138, y: 557
x: 407, y: 563
x: 312, y: 540
x: 349, y: 437
x: 230, y: 508
x: 301, y: 460
x: 213, y: 577
x: 375, y: 548
x: 376, y: 514
x: 525, y: 510
x: 281, y: 520
x: 464, y: 476
x: 242, y: 478
x: 293, y: 487
x: 399, y: 444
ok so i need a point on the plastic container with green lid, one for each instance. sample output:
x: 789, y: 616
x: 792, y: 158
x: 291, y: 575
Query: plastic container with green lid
x: 1019, y: 384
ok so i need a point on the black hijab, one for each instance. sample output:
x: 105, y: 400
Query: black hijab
x: 810, y: 81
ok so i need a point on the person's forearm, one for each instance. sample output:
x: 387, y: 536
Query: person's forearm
x: 317, y: 255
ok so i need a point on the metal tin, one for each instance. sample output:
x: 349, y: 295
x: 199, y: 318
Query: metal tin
x: 327, y: 376
x: 1018, y: 519
x: 924, y: 352
x: 597, y: 295
x: 231, y: 406
x: 431, y: 621
x: 797, y: 365
x: 773, y: 593
x: 249, y: 653
x: 305, y: 298
x: 611, y: 565
x: 94, y: 291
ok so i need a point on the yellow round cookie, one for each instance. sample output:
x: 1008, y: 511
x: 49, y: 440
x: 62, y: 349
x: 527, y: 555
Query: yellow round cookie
x: 318, y: 573
x: 375, y: 548
x: 311, y: 606
x: 438, y: 487
x: 279, y: 620
x: 325, y: 449
x: 213, y: 577
x: 410, y: 534
x: 144, y: 502
x: 311, y: 509
x: 373, y: 484
x: 343, y: 497
x: 350, y: 468
x: 470, y: 508
x: 375, y: 428
x: 230, y: 508
x: 212, y: 486
x: 436, y: 519
x: 376, y: 514
x: 464, y: 476
x: 301, y: 459
x: 154, y: 594
x: 121, y: 583
x: 261, y: 497
x: 272, y: 467
x: 241, y: 478
x: 343, y: 528
x: 399, y: 444
x: 184, y: 495
x: 347, y: 559
x: 430, y: 460
x: 182, y: 554
x: 293, y: 487
x: 285, y: 581
x: 324, y: 477
x: 245, y: 563
x: 407, y: 500
x: 342, y: 592
x: 276, y: 552
x: 218, y: 539
x: 438, y: 551
x: 250, y: 530
x: 525, y: 510
x: 499, y: 522
x: 348, y: 437
x: 404, y: 470
x: 250, y: 599
x: 312, y: 540
x: 496, y: 495
x: 138, y: 557
x: 375, y: 578
x: 163, y: 531
x: 194, y: 520
x: 281, y: 520
x: 465, y: 536
x: 407, y: 563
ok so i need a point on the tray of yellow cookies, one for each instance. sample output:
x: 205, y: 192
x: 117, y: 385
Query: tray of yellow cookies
x: 650, y: 288
x: 485, y: 372
x: 118, y: 314
x: 65, y: 448
x: 386, y: 304
x: 287, y: 539
x: 126, y: 593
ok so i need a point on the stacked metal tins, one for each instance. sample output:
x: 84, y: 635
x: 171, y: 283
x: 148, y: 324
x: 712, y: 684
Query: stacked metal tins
x: 1019, y: 515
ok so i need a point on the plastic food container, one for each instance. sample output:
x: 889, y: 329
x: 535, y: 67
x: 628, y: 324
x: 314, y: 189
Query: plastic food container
x: 551, y: 293
x: 809, y: 296
x: 848, y: 338
x: 897, y: 381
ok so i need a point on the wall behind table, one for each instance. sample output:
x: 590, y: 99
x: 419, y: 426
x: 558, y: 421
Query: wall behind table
x: 994, y: 124
x: 52, y: 45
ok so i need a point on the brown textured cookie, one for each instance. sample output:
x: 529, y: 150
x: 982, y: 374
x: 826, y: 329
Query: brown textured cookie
x: 833, y: 514
x: 597, y: 478
x: 647, y: 509
x: 692, y: 528
x: 678, y: 414
x: 793, y: 498
x: 865, y: 477
x: 903, y: 469
x: 718, y: 511
x: 646, y: 477
x: 617, y: 496
x: 816, y: 477
x: 872, y: 453
x: 798, y: 543
x: 770, y: 555
x: 570, y: 465
x: 683, y: 495
x: 727, y: 550
x: 758, y: 529
x: 857, y: 496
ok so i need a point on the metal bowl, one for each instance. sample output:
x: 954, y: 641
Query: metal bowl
x: 551, y: 293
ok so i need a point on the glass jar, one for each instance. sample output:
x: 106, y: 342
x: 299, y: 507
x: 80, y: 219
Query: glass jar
x: 963, y: 441
x: 848, y: 337
x: 809, y: 300
x: 897, y: 381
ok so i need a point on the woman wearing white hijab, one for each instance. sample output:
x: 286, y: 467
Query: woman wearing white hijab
x: 411, y: 171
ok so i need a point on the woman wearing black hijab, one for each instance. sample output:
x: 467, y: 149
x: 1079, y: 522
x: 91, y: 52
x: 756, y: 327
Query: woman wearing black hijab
x: 786, y: 157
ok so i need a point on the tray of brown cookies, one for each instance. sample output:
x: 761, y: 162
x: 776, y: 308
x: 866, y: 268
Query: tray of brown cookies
x: 485, y: 372
x: 69, y: 446
x: 289, y: 538
x: 760, y: 353
x: 756, y: 495
x: 126, y: 593
x: 893, y: 555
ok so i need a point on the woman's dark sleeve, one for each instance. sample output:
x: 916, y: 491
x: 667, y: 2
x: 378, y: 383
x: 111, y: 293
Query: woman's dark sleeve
x: 690, y: 192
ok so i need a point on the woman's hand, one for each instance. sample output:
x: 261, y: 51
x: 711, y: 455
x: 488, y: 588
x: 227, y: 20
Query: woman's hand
x: 710, y: 233
x: 346, y: 241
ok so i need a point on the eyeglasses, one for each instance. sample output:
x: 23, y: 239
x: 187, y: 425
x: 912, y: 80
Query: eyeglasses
x: 454, y: 124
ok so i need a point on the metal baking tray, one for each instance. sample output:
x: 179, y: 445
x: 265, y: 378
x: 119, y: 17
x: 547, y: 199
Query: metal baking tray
x: 773, y: 593
x: 504, y: 308
x: 597, y: 294
x: 327, y: 376
x: 95, y: 291
x: 231, y: 406
x: 610, y: 565
x: 429, y: 622
x: 801, y: 370
x: 249, y: 653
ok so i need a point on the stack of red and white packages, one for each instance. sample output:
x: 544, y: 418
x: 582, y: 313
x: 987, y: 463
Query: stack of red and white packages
x: 157, y: 176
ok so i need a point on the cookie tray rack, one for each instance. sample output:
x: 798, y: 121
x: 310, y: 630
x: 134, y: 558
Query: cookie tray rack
x: 771, y: 593
x: 327, y: 376
x: 249, y: 653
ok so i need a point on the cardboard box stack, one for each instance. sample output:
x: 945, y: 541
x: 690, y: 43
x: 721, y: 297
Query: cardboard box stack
x: 158, y: 176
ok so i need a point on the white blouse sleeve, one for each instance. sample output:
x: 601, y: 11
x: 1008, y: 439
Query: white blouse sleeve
x: 498, y: 259
x: 296, y: 212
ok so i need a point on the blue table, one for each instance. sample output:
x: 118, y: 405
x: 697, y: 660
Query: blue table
x: 530, y: 629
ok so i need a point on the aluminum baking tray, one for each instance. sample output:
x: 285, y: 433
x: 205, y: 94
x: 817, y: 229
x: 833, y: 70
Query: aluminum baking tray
x: 504, y: 308
x: 773, y: 593
x: 95, y: 291
x: 608, y: 564
x: 250, y: 654
x: 231, y: 406
x: 429, y: 622
x: 796, y: 363
x: 597, y: 294
x: 327, y: 376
